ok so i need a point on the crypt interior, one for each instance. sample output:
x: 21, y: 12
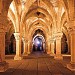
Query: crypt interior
x: 40, y: 32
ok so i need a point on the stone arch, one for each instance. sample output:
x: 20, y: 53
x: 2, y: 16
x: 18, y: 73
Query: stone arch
x: 15, y: 15
x: 47, y: 3
x: 5, y: 8
x: 12, y: 18
x: 38, y: 23
x: 41, y: 10
x: 64, y: 44
x: 65, y: 31
x: 39, y: 33
x: 63, y: 19
x: 32, y: 31
x: 34, y: 28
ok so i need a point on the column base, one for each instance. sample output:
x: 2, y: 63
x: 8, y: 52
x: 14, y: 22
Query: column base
x: 52, y: 54
x: 71, y: 66
x: 28, y: 52
x: 25, y: 54
x: 58, y: 57
x: 18, y: 57
x: 48, y: 52
x: 3, y: 66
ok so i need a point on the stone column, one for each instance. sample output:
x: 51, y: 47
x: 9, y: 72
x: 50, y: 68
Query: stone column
x: 28, y: 47
x: 3, y: 64
x: 44, y: 49
x: 52, y: 47
x: 71, y: 65
x: 25, y: 48
x: 1, y: 6
x: 58, y: 55
x: 18, y: 47
x: 49, y: 48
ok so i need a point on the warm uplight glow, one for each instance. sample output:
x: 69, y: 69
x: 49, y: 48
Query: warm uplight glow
x: 63, y: 10
x: 10, y: 18
x: 12, y: 7
x: 23, y: 3
x: 56, y: 9
x: 30, y: 28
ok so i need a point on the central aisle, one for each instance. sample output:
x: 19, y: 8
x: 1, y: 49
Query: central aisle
x: 38, y: 63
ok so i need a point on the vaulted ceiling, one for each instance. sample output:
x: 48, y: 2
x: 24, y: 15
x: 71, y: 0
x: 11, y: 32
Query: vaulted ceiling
x: 30, y: 11
x: 36, y: 12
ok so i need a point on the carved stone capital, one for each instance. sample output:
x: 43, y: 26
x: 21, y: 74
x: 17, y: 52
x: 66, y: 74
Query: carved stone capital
x: 58, y: 35
x: 23, y: 39
x: 71, y: 23
x: 71, y: 30
x: 52, y: 40
x: 17, y: 36
x: 26, y: 41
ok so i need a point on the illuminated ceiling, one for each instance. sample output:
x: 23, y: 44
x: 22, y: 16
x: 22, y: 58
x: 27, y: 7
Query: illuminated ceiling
x: 29, y: 11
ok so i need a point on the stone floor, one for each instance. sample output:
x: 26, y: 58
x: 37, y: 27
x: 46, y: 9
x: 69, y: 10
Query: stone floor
x: 38, y: 64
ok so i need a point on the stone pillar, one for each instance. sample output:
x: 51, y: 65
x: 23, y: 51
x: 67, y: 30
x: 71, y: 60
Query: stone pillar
x: 18, y: 47
x: 28, y: 47
x: 25, y: 48
x: 0, y: 6
x: 3, y: 64
x: 49, y: 48
x: 71, y: 65
x: 58, y: 55
x: 52, y: 47
x: 44, y: 49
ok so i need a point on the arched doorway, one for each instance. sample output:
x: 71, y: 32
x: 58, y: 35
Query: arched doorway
x: 38, y: 41
x: 64, y: 44
x: 10, y: 45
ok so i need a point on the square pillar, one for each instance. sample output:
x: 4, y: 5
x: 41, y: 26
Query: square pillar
x: 18, y: 47
x: 71, y: 65
x: 58, y: 55
x: 3, y: 64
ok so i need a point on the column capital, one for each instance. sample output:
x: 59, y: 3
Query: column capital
x: 71, y: 30
x: 58, y: 35
x: 52, y: 40
x: 23, y: 39
x: 71, y: 23
x: 71, y: 27
x: 17, y: 36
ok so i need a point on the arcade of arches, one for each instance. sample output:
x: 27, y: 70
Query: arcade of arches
x: 37, y: 25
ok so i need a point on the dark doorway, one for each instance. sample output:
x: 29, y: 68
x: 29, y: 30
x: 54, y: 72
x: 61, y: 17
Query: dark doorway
x: 10, y: 46
x: 64, y: 45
